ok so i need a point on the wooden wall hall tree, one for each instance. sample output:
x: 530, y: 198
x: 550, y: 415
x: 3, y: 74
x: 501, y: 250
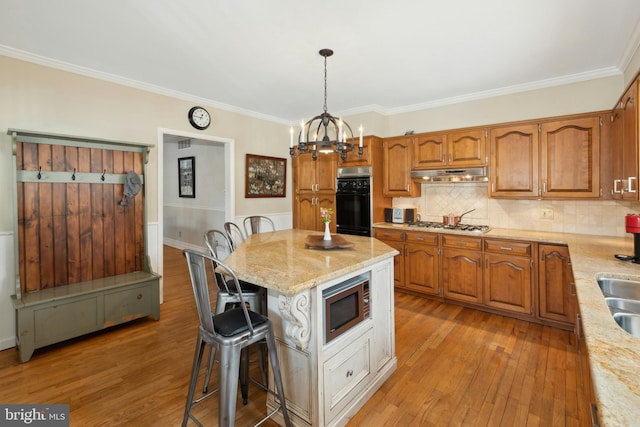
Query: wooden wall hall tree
x: 82, y: 261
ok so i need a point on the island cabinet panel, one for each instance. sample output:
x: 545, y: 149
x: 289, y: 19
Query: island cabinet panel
x: 422, y: 262
x: 556, y: 288
x: 570, y: 164
x: 462, y: 275
x: 396, y: 169
x: 514, y: 161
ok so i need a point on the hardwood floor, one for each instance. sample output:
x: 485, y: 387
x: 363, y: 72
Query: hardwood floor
x: 456, y: 367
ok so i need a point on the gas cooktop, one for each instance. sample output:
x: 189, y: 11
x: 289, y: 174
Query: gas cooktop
x: 460, y: 227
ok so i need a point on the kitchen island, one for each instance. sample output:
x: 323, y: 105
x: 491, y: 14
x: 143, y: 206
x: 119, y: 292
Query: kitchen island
x: 326, y: 382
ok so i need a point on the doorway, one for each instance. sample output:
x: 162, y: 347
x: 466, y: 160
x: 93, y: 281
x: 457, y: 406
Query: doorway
x: 224, y: 146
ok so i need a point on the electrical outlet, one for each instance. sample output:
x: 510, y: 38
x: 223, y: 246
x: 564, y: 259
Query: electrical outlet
x: 179, y: 233
x: 546, y: 213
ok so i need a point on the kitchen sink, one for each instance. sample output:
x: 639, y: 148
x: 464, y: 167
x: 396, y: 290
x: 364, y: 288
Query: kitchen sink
x: 621, y: 288
x: 623, y: 304
x: 630, y: 322
x: 623, y: 299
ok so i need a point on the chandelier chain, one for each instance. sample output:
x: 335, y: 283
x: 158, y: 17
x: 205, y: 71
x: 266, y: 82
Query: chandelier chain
x: 325, y: 84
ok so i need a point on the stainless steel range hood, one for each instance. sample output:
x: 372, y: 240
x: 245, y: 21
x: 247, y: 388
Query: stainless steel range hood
x: 450, y: 175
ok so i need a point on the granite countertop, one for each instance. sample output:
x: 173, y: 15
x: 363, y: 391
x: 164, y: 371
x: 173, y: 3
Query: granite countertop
x: 614, y: 355
x: 281, y: 261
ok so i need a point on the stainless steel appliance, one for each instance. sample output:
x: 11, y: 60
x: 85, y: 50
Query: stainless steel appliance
x: 345, y: 305
x: 354, y: 204
x: 460, y: 227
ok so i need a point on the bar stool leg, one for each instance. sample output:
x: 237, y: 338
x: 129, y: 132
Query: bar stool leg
x: 229, y: 370
x: 194, y: 379
x: 275, y: 366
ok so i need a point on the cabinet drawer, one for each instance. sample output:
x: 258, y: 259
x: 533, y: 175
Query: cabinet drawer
x: 127, y: 304
x: 386, y: 234
x: 510, y: 247
x: 463, y: 242
x: 346, y: 374
x: 422, y: 238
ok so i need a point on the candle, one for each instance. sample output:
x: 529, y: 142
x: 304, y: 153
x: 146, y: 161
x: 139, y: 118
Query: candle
x: 340, y: 130
x: 302, y: 131
x: 291, y: 137
x: 360, y: 135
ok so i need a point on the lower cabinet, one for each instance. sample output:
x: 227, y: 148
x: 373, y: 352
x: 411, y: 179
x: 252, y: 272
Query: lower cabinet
x: 422, y: 262
x: 507, y: 276
x: 307, y: 210
x: 462, y: 268
x: 523, y: 278
x: 556, y: 287
x: 395, y: 239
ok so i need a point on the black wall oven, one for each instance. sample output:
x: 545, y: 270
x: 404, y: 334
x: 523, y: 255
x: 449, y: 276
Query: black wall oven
x: 353, y: 201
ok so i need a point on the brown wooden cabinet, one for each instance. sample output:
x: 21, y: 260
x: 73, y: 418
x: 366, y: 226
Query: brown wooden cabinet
x: 514, y: 161
x: 422, y: 262
x: 462, y: 268
x: 396, y: 168
x: 625, y: 146
x: 314, y: 183
x: 554, y: 159
x: 462, y: 148
x: 570, y: 158
x: 369, y: 153
x: 508, y: 275
x: 395, y: 239
x: 556, y: 288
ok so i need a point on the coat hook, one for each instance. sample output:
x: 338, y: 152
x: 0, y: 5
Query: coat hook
x: 39, y: 172
x: 73, y: 177
x: 103, y: 172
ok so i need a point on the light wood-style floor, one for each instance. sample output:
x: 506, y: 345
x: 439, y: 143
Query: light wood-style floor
x: 456, y: 367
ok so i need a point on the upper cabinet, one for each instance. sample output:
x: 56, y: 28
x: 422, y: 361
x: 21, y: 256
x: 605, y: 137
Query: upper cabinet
x: 462, y: 148
x: 570, y: 158
x: 369, y: 145
x: 315, y: 175
x: 554, y: 159
x: 514, y: 161
x: 625, y: 145
x: 396, y: 168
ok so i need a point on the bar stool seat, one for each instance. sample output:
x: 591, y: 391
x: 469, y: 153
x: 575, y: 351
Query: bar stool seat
x: 230, y: 333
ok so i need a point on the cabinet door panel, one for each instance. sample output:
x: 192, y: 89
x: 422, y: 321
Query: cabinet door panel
x: 555, y: 281
x: 467, y: 148
x: 306, y: 212
x: 462, y: 275
x: 507, y: 283
x: 325, y: 200
x: 421, y: 268
x: 397, y: 168
x: 326, y: 171
x: 629, y: 153
x: 429, y: 151
x: 570, y: 165
x: 514, y: 161
x: 305, y: 173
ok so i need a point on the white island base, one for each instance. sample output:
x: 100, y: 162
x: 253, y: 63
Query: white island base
x: 326, y: 384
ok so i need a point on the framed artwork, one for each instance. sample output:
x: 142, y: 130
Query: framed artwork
x: 187, y: 177
x: 265, y: 176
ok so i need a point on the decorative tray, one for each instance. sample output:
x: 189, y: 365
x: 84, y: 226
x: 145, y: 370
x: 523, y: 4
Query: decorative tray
x: 318, y: 242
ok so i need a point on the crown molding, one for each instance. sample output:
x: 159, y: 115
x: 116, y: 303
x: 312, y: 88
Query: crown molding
x: 136, y: 84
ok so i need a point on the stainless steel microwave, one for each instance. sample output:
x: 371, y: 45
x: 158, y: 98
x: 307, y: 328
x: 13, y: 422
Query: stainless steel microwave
x: 345, y: 305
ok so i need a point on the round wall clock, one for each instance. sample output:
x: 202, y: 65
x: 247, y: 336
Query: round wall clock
x: 199, y: 118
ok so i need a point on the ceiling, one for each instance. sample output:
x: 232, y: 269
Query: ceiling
x: 261, y: 57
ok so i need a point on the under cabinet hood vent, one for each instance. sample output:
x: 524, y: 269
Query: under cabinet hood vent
x: 450, y: 175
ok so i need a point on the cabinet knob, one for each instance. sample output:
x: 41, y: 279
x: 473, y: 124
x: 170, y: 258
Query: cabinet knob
x: 349, y: 373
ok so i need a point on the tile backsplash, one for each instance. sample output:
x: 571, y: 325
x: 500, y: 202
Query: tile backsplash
x: 597, y: 217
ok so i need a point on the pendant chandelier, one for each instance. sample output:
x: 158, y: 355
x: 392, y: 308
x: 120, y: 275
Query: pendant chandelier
x: 325, y: 133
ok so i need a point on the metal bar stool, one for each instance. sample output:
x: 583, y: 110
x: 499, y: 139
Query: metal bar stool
x: 235, y: 233
x: 229, y: 332
x: 227, y: 297
x: 257, y: 224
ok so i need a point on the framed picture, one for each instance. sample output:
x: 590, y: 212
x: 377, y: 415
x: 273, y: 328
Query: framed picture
x: 265, y: 176
x: 187, y: 177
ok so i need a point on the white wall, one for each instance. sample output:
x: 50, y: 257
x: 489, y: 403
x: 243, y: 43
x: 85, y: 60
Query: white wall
x: 185, y: 219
